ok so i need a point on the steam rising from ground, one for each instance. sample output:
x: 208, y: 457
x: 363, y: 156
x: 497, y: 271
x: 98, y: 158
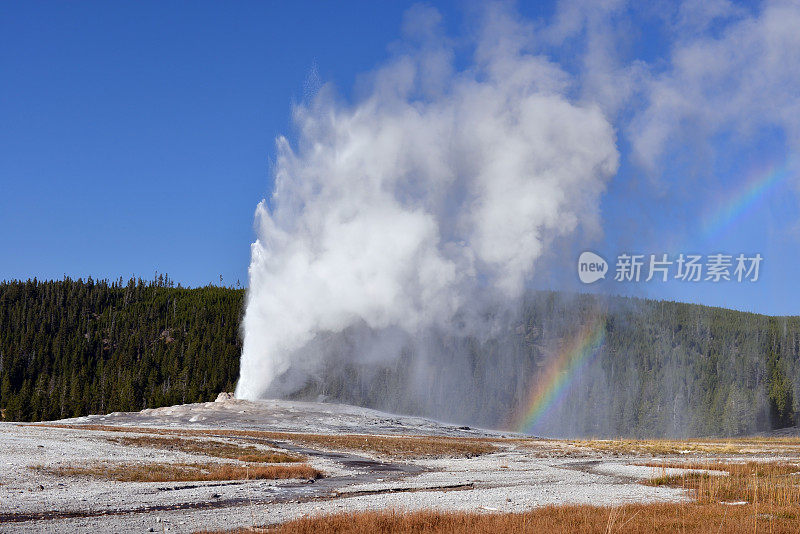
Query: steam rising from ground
x: 397, y: 219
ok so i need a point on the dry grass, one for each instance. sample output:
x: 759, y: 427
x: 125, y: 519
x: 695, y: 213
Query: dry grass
x: 389, y: 446
x: 630, y: 519
x: 398, y: 446
x: 410, y: 447
x: 665, y: 447
x: 164, y: 472
x: 431, y: 446
x: 218, y: 449
x: 770, y: 484
x: 753, y: 497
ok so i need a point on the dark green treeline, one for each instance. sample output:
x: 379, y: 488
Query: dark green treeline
x: 71, y: 348
x: 74, y: 347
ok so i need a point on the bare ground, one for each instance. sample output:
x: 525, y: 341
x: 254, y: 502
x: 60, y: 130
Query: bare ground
x: 369, y: 461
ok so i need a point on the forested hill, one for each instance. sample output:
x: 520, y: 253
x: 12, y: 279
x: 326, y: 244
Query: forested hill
x: 70, y: 348
x: 662, y: 369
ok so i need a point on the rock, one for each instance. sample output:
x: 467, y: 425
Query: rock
x: 224, y: 396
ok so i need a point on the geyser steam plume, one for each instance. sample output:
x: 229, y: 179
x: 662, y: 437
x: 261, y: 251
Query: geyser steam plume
x: 437, y: 189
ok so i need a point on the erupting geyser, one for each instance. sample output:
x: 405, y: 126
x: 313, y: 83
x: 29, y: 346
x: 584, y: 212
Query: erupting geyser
x: 439, y: 186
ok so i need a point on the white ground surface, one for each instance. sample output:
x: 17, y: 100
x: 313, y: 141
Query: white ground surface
x: 516, y: 478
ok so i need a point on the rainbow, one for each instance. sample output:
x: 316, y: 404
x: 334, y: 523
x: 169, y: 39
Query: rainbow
x: 554, y: 383
x: 755, y: 188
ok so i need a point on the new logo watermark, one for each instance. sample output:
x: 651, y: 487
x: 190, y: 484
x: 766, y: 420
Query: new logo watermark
x: 663, y: 267
x: 591, y: 267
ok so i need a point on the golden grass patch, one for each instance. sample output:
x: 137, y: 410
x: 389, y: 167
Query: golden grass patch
x: 390, y: 446
x: 411, y: 447
x: 771, y: 484
x: 398, y: 446
x: 629, y: 519
x: 182, y: 472
x: 665, y: 447
x: 218, y: 449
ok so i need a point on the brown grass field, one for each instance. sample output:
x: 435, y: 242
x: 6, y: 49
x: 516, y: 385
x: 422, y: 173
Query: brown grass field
x: 168, y: 472
x: 663, y: 447
x: 752, y: 497
x: 218, y: 449
x: 629, y: 519
x: 409, y: 447
x: 774, y: 483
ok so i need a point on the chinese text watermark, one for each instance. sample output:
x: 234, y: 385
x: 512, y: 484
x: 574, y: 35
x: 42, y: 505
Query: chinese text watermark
x: 664, y: 267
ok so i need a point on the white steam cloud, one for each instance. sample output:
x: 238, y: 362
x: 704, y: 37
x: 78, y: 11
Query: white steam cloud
x: 741, y: 81
x: 394, y: 211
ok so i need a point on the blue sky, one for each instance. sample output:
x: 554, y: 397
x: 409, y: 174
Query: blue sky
x: 139, y: 137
